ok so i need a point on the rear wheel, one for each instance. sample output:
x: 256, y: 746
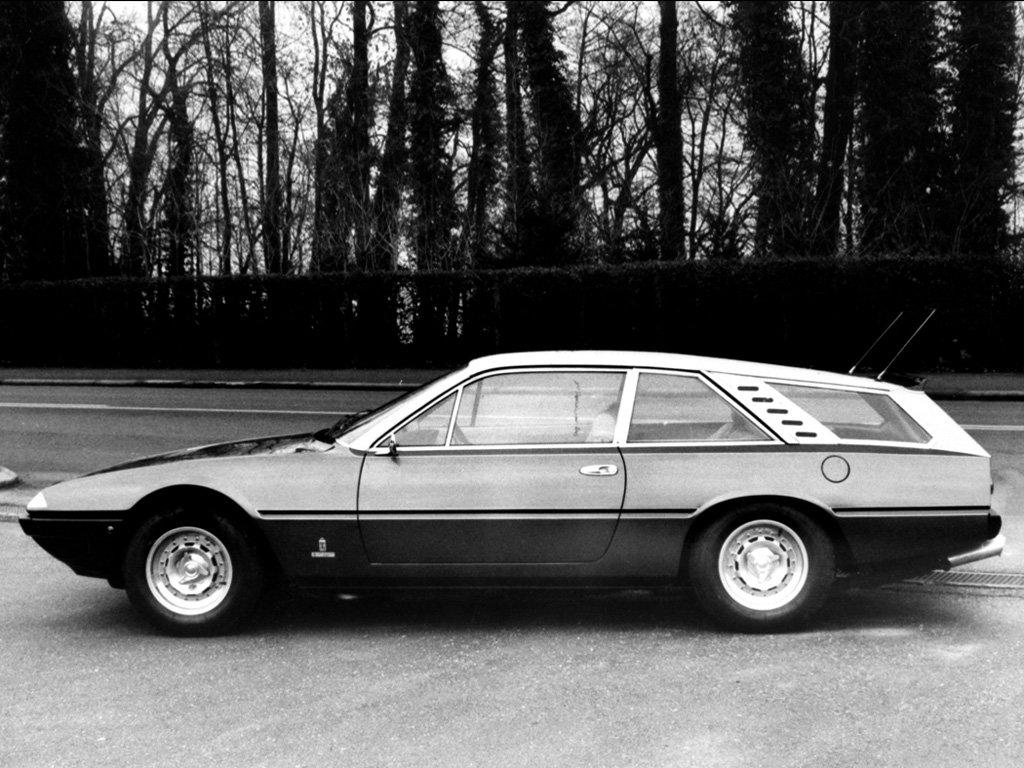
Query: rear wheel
x: 762, y: 568
x: 193, y: 571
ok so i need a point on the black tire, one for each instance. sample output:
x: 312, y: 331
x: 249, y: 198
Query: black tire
x: 191, y: 571
x: 762, y: 568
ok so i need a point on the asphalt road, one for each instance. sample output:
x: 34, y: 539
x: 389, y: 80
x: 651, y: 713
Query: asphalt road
x: 66, y: 431
x: 890, y: 677
x: 906, y: 675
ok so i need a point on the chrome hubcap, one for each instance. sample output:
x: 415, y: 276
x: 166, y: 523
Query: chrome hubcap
x: 763, y: 565
x: 189, y: 571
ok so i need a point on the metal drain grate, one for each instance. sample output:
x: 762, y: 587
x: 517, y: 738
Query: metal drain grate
x: 972, y: 579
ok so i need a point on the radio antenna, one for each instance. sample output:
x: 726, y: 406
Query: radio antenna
x: 905, y: 345
x: 875, y: 344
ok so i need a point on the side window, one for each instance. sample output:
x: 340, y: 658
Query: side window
x: 430, y: 427
x: 856, y: 415
x: 539, y: 407
x: 685, y: 409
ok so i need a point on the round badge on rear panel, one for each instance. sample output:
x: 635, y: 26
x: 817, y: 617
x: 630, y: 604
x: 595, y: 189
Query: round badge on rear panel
x: 835, y: 469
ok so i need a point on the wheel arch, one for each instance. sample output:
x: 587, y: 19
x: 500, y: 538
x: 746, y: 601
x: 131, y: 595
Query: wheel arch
x: 816, y: 511
x: 237, y: 510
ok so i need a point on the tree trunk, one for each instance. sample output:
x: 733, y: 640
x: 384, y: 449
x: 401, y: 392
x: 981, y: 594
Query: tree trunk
x: 248, y: 264
x: 840, y: 92
x: 669, y: 138
x: 359, y: 106
x: 97, y: 219
x: 220, y: 140
x: 555, y: 231
x: 430, y: 97
x: 517, y: 180
x: 391, y: 179
x: 320, y: 34
x: 135, y: 243
x: 179, y: 221
x: 272, y: 252
x: 484, y: 127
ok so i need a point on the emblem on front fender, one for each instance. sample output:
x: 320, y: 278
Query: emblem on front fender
x: 322, y: 549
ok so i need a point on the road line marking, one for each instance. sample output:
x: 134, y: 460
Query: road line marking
x: 993, y: 427
x: 161, y: 409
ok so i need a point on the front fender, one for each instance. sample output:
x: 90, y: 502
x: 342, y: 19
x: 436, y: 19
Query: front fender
x: 310, y: 482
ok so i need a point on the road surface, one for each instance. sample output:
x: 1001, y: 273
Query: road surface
x: 906, y: 675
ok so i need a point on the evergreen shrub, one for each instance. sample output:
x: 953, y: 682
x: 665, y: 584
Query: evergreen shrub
x: 819, y: 313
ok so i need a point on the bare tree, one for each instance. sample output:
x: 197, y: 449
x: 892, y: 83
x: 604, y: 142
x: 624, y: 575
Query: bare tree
x: 149, y: 125
x: 208, y: 21
x: 90, y: 92
x: 616, y: 101
x: 324, y: 18
x: 358, y: 98
x: 179, y: 222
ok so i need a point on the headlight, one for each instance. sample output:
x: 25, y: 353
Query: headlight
x: 37, y: 504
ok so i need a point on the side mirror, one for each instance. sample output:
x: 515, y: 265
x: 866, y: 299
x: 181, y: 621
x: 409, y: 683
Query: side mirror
x: 389, y: 448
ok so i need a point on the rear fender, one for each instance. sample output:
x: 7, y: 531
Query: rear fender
x: 818, y: 511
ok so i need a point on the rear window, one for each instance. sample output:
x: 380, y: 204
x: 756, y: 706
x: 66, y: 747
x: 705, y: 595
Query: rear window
x: 856, y: 415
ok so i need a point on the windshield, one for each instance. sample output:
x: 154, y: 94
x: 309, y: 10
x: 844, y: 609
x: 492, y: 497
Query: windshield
x: 351, y: 427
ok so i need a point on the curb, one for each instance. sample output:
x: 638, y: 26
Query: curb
x: 7, y: 478
x: 215, y: 384
x: 1010, y: 395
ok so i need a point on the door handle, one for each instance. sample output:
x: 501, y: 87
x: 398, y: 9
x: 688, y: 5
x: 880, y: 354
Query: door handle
x: 600, y: 470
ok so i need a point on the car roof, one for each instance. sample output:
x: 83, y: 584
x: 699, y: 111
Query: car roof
x: 671, y: 361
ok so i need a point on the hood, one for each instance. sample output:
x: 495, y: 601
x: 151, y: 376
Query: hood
x: 262, y: 446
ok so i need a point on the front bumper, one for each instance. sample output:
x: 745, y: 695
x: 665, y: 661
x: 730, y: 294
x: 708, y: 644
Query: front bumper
x: 89, y: 547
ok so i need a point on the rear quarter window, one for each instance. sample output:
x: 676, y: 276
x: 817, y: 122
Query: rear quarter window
x: 672, y: 408
x: 856, y: 415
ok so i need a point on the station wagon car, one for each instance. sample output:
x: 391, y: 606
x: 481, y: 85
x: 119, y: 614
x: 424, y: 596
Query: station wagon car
x: 757, y: 485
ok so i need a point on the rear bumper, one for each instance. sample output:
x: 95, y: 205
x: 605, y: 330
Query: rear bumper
x: 991, y: 548
x: 878, y: 537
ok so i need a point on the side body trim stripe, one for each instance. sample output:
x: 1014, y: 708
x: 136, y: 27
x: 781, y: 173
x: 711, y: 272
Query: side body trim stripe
x: 628, y: 514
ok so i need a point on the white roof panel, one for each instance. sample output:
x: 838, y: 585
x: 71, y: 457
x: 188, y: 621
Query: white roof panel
x: 617, y: 358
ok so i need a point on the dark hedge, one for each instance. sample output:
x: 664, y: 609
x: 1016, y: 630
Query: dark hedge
x: 816, y: 313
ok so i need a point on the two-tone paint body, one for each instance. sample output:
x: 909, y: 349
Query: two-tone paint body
x: 361, y: 511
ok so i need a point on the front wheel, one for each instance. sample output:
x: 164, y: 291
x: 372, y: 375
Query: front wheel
x: 193, y: 572
x: 762, y: 568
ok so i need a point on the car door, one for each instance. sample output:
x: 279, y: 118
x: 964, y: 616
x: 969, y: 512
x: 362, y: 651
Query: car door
x: 512, y: 467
